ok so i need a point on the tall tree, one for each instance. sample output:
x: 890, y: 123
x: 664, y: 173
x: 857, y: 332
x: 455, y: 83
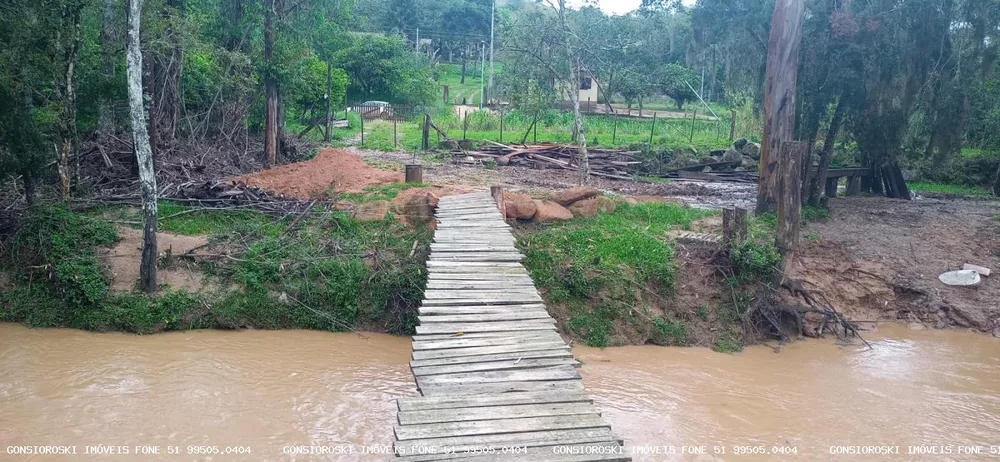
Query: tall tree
x: 779, y: 95
x: 143, y: 152
x: 270, y: 86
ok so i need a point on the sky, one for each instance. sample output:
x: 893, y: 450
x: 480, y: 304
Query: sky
x: 618, y: 6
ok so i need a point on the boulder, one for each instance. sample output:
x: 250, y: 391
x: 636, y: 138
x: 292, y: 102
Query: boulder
x: 751, y: 150
x: 706, y: 170
x: 718, y: 152
x: 371, y: 211
x: 415, y: 205
x: 551, y: 211
x: 519, y: 206
x: 749, y: 163
x: 960, y: 278
x: 589, y: 208
x: 572, y: 195
x: 709, y: 160
x: 732, y: 155
x: 738, y: 144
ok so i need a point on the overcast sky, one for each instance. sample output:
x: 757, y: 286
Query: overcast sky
x: 618, y: 6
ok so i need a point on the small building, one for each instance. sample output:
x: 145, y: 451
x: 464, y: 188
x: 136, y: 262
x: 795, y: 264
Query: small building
x: 587, y: 89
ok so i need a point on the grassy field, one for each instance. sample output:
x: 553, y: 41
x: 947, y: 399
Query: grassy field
x: 451, y: 75
x: 602, y: 131
x: 949, y: 189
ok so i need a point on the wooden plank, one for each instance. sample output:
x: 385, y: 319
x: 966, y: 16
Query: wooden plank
x: 477, y: 276
x: 525, y: 349
x: 587, y: 452
x: 527, y: 334
x: 513, y: 292
x: 485, y: 317
x: 491, y: 354
x: 461, y: 342
x: 482, y: 309
x: 512, y: 271
x: 494, y: 366
x: 487, y: 427
x: 481, y: 256
x: 473, y: 264
x: 422, y: 403
x: 473, y: 248
x: 511, y: 299
x: 519, y: 411
x: 478, y: 285
x: 514, y: 375
x: 524, y: 439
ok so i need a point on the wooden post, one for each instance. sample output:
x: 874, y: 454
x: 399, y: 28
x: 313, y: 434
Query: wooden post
x: 651, y: 128
x: 732, y: 126
x: 395, y: 141
x: 445, y: 96
x: 465, y: 124
x: 853, y: 185
x: 790, y: 154
x: 694, y: 118
x: 614, y: 131
x: 534, y: 128
x: 501, y: 126
x: 362, y: 114
x: 414, y: 173
x: 425, y: 142
x: 734, y: 225
x: 497, y: 193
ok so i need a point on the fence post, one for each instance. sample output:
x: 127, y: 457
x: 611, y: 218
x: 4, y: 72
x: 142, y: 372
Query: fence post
x: 694, y: 117
x: 535, y: 128
x: 465, y: 123
x: 732, y: 125
x: 394, y: 137
x: 651, y: 128
x: 361, y: 113
x: 501, y: 126
x: 426, y: 138
x: 614, y: 131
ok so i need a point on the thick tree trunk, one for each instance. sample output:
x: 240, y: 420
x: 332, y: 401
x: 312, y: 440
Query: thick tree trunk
x: 270, y: 88
x: 813, y: 127
x: 143, y: 152
x: 170, y: 109
x: 790, y: 198
x: 105, y: 114
x: 67, y: 119
x: 816, y: 182
x: 779, y: 95
x: 329, y: 106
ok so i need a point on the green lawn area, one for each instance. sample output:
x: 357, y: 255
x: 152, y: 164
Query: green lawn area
x: 471, y: 90
x: 949, y: 189
x: 555, y: 127
x: 976, y: 152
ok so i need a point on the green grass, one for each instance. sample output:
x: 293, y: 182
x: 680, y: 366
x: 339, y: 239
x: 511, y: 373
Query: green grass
x: 976, y: 152
x: 451, y: 75
x: 335, y: 274
x: 948, y: 189
x: 554, y: 127
x: 381, y: 193
x: 597, y: 265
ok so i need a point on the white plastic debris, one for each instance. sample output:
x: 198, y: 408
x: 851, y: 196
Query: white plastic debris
x: 983, y: 271
x: 960, y: 278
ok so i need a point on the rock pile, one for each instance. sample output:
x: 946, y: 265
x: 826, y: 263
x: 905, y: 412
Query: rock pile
x: 563, y: 205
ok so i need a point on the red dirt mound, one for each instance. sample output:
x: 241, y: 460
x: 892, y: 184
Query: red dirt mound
x: 331, y: 169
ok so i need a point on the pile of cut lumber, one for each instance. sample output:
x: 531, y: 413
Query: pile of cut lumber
x: 607, y: 163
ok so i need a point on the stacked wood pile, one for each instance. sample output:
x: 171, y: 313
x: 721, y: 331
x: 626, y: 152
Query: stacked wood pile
x: 606, y: 163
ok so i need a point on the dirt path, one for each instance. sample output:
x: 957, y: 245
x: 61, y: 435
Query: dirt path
x: 332, y: 170
x: 710, y: 195
x: 879, y: 259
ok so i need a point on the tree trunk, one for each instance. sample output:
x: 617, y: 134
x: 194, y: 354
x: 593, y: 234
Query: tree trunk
x: 329, y: 106
x: 813, y: 127
x: 996, y: 182
x: 789, y: 198
x: 106, y: 118
x: 817, y: 181
x: 270, y: 88
x: 30, y: 196
x: 67, y: 119
x: 779, y: 95
x: 143, y: 152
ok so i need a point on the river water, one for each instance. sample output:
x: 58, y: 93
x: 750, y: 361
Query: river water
x: 270, y: 390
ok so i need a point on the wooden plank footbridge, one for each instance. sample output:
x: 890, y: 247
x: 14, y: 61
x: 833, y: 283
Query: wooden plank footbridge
x: 497, y: 381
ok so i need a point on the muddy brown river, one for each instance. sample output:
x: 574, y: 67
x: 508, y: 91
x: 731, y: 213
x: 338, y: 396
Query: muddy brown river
x: 931, y: 395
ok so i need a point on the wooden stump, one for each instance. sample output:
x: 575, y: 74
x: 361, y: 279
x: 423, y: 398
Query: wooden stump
x: 414, y: 173
x: 734, y: 225
x: 497, y: 193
